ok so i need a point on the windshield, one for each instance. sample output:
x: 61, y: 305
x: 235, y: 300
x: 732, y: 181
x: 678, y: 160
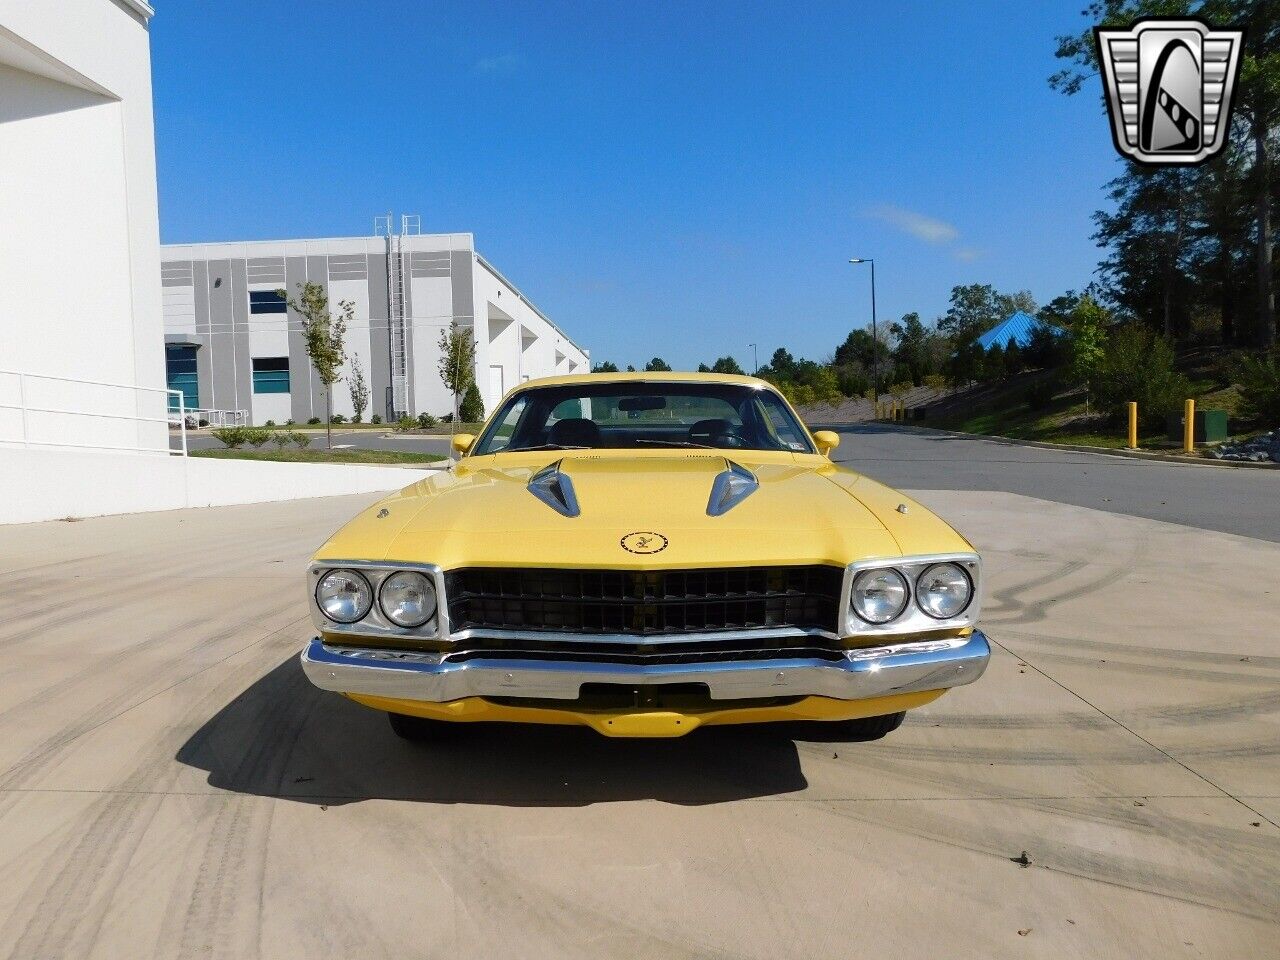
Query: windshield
x: 644, y: 415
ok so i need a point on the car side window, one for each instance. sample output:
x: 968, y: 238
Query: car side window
x: 781, y: 424
x: 505, y: 428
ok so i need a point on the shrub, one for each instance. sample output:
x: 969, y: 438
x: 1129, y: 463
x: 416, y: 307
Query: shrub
x: 301, y: 439
x: 1138, y: 365
x: 900, y: 389
x: 376, y: 418
x: 256, y: 436
x: 313, y: 421
x: 447, y: 418
x: 426, y: 421
x: 281, y: 438
x: 338, y: 418
x: 1041, y: 393
x: 405, y: 424
x: 936, y: 381
x: 231, y: 437
x: 270, y: 423
x: 358, y: 418
x: 204, y: 422
x: 472, y: 407
x: 1259, y: 380
x: 289, y: 422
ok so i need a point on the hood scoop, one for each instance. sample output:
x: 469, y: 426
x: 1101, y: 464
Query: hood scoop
x: 730, y: 488
x: 554, y: 488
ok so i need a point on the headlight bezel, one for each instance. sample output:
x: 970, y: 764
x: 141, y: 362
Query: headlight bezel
x: 913, y: 619
x: 375, y: 623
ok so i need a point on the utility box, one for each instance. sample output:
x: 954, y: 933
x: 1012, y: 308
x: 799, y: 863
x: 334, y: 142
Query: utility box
x: 1211, y: 426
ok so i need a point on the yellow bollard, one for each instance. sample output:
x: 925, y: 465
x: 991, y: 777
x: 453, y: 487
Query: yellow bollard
x: 1189, y: 427
x: 1133, y: 425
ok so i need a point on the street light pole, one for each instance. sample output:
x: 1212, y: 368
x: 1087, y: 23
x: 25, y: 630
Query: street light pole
x: 875, y: 342
x: 755, y: 360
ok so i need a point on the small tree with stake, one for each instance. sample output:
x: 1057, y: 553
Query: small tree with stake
x: 324, y: 334
x: 457, y: 361
x: 358, y: 387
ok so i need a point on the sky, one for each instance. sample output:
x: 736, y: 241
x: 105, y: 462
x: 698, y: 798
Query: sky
x: 679, y: 179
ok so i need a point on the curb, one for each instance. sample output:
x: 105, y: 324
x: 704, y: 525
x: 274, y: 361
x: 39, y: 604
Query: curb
x: 1068, y: 447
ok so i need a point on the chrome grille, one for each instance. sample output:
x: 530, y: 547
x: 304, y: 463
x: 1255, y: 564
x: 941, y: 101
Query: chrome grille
x: 644, y: 602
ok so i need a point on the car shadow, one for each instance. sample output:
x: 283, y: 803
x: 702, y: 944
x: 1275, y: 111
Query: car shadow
x: 284, y: 738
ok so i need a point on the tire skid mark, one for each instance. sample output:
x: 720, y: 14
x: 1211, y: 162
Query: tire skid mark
x: 1246, y: 889
x: 86, y: 871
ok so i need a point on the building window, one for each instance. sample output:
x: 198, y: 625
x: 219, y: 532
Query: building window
x: 180, y: 370
x: 270, y: 374
x: 267, y: 301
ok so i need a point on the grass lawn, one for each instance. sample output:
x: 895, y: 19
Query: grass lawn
x: 1064, y: 420
x: 310, y: 455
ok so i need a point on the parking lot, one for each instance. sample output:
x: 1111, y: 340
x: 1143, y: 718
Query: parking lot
x: 171, y: 786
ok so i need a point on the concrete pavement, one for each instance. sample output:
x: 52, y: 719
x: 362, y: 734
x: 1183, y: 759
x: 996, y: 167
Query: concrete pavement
x: 170, y: 785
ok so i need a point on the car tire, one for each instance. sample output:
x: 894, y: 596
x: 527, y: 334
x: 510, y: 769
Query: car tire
x: 871, y: 728
x: 416, y: 729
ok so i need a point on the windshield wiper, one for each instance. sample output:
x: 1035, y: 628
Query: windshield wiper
x: 541, y: 446
x: 678, y: 443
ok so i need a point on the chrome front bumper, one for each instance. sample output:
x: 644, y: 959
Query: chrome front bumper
x: 862, y: 673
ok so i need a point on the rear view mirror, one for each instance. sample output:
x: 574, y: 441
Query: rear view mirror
x: 462, y: 441
x: 642, y: 403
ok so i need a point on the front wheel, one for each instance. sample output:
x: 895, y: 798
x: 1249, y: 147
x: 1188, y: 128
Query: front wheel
x: 416, y: 729
x: 870, y: 728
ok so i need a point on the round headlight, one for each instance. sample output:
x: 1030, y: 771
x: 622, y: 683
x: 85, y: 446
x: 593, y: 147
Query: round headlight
x: 407, y: 598
x: 879, y: 595
x: 344, y: 596
x: 944, y: 590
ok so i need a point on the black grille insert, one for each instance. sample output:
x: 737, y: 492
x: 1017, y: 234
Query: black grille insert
x: 644, y: 602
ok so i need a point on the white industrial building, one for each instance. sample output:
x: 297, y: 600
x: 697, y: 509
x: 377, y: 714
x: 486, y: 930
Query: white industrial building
x: 79, y: 235
x: 233, y: 344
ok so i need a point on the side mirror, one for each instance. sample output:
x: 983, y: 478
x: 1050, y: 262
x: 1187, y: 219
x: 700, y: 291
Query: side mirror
x: 827, y: 440
x: 462, y: 442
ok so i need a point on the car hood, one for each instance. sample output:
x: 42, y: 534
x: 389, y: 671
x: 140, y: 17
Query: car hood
x: 482, y: 513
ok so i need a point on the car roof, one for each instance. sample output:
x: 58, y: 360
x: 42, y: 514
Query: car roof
x: 643, y: 376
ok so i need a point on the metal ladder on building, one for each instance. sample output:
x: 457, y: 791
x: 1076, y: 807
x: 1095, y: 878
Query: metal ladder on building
x: 397, y: 321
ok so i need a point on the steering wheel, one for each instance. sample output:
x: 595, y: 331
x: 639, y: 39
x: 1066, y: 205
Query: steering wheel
x: 717, y: 433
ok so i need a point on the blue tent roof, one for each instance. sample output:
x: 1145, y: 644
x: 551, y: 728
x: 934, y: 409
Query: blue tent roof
x: 1019, y: 326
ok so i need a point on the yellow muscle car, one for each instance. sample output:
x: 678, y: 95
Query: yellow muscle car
x: 645, y: 554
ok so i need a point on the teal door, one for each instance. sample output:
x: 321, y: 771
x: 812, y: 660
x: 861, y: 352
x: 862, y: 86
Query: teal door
x: 180, y: 370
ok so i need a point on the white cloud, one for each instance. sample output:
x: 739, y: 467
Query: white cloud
x: 922, y: 227
x: 967, y: 254
x: 503, y: 63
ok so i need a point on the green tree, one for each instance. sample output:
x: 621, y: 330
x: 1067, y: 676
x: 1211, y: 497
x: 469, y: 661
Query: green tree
x: 993, y: 368
x: 973, y: 310
x: 1138, y: 365
x: 1089, y: 323
x: 967, y: 363
x: 726, y: 365
x: 607, y: 366
x: 703, y: 368
x: 783, y: 364
x: 323, y: 333
x: 657, y: 364
x: 457, y: 364
x: 911, y: 353
x: 1057, y: 312
x: 471, y: 410
x: 1013, y: 362
x: 358, y: 387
